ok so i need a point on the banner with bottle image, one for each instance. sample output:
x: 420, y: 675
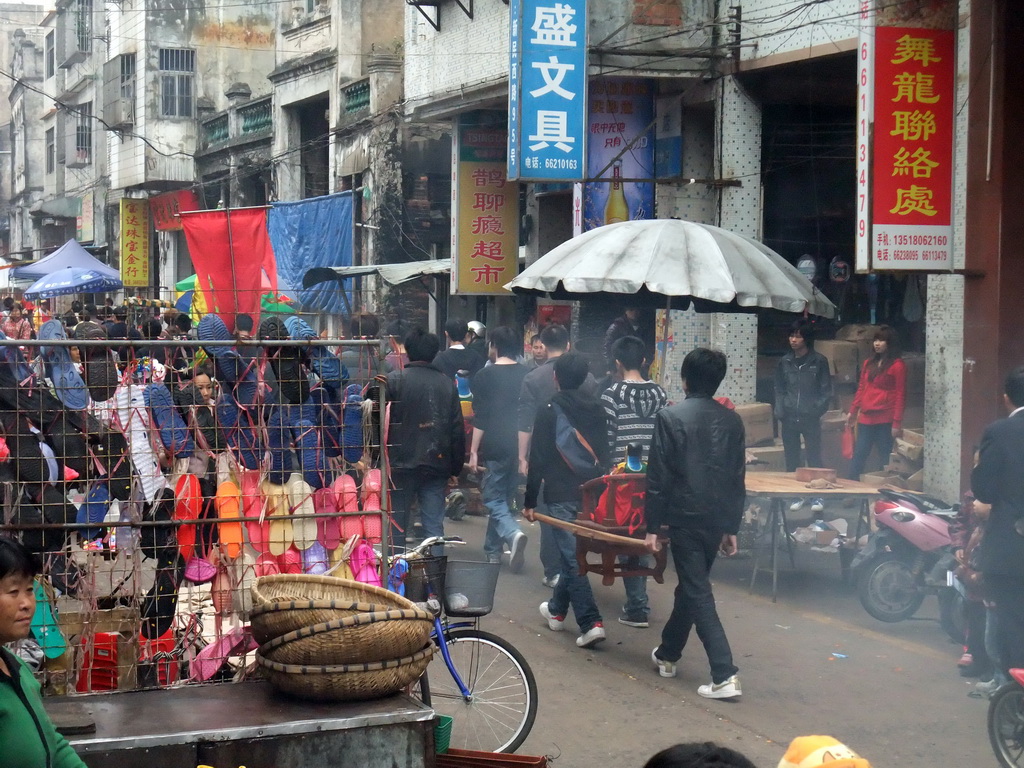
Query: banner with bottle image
x: 621, y: 115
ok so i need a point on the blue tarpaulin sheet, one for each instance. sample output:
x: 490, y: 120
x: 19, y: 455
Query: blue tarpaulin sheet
x: 312, y: 233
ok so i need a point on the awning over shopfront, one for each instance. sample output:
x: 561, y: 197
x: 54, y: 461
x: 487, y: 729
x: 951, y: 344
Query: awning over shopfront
x: 392, y: 274
x: 58, y: 208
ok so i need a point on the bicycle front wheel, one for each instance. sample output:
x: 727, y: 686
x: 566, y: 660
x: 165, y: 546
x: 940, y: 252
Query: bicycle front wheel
x: 503, y: 702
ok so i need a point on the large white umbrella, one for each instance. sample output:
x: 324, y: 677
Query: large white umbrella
x: 658, y: 259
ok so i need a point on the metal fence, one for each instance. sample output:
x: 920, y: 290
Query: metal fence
x: 157, y: 478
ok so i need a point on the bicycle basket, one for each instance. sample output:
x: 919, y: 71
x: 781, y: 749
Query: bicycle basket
x: 469, y: 588
x: 421, y: 570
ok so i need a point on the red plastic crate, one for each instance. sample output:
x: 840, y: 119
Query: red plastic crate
x: 99, y: 665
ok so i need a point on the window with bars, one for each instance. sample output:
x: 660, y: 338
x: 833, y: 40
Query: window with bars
x: 177, y: 82
x: 128, y: 86
x: 83, y: 25
x: 51, y: 55
x: 51, y: 150
x: 83, y: 134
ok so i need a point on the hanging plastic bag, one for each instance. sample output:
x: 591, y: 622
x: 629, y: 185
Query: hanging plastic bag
x: 849, y: 438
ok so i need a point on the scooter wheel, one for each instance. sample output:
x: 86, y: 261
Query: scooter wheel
x: 888, y: 590
x: 1006, y: 724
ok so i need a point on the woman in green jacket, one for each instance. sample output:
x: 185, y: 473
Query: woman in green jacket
x: 27, y: 737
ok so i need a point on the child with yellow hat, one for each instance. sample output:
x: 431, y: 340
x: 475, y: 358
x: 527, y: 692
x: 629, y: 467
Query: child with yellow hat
x: 811, y: 751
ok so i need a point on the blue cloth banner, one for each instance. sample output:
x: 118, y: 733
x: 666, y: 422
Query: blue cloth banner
x: 312, y: 233
x: 548, y: 90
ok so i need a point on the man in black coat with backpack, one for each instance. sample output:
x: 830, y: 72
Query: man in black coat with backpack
x: 569, y: 447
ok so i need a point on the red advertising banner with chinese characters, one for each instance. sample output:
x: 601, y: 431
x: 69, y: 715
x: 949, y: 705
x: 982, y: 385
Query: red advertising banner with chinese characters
x: 135, y: 243
x: 485, y: 213
x: 912, y: 169
x: 166, y: 207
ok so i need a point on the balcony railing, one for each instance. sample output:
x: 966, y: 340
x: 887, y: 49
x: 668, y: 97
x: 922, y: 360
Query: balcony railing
x: 216, y: 130
x: 257, y: 117
x: 252, y: 121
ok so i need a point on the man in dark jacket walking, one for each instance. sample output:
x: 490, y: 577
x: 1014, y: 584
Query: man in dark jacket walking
x: 537, y: 389
x: 803, y: 392
x: 998, y: 479
x: 561, y: 486
x: 695, y: 487
x: 426, y: 437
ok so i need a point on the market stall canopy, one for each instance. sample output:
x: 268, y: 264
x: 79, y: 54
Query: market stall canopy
x: 72, y: 280
x: 653, y: 260
x: 392, y: 274
x: 71, y: 254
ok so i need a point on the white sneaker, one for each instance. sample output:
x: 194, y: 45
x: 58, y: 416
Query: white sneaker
x: 555, y: 623
x: 730, y: 689
x: 552, y: 582
x: 592, y: 636
x: 665, y: 668
x: 818, y: 505
x: 517, y: 552
x: 796, y: 506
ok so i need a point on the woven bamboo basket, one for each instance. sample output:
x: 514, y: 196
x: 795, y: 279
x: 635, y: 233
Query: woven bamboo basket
x: 355, y: 639
x: 346, y: 682
x: 284, y: 603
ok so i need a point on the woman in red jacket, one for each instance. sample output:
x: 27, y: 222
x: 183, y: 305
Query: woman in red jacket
x: 877, y: 408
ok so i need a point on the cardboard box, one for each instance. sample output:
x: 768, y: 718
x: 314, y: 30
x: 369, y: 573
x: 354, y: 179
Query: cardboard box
x: 824, y: 538
x: 901, y: 465
x: 769, y: 458
x: 758, y: 422
x: 878, y: 479
x: 842, y: 359
x: 842, y: 396
x: 861, y: 335
x: 911, y: 451
x: 916, y: 481
x: 914, y: 362
x: 913, y: 436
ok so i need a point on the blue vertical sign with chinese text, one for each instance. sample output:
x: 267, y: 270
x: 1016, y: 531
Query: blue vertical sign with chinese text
x: 547, y: 90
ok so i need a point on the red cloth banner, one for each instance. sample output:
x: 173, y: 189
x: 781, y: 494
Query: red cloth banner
x: 229, y: 250
x: 165, y: 208
x: 914, y: 111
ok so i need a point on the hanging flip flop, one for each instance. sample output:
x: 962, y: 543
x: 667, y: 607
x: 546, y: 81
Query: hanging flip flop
x: 174, y: 434
x: 279, y: 443
x: 228, y: 505
x: 348, y: 501
x: 278, y: 518
x: 310, y: 454
x: 101, y: 376
x: 68, y: 384
x: 300, y: 498
x: 290, y: 561
x: 328, y: 528
x: 253, y: 505
x: 188, y: 505
x: 243, y: 575
x: 315, y: 560
x: 94, y: 509
x: 372, y: 529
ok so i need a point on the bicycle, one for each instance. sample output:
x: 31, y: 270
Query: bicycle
x: 489, y: 690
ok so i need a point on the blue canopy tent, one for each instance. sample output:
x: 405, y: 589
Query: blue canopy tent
x: 71, y: 254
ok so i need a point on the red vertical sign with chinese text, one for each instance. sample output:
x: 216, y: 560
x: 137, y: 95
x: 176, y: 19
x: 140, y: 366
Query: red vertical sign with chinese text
x: 485, y: 212
x: 135, y: 243
x: 912, y: 170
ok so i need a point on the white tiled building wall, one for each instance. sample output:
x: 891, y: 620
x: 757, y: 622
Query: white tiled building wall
x: 466, y: 54
x: 944, y: 323
x: 771, y: 28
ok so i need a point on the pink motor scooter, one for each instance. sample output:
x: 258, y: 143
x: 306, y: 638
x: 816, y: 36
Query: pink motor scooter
x: 907, y: 558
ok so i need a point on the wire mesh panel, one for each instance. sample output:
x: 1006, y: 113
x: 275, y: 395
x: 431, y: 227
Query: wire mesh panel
x: 158, y: 467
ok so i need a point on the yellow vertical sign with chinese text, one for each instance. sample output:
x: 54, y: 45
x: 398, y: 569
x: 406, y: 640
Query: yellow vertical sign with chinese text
x: 485, y: 213
x: 135, y: 243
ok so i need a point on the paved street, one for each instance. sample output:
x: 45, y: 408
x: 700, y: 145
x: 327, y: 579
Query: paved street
x: 894, y: 693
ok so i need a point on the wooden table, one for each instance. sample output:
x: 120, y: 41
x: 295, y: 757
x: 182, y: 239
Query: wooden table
x: 780, y: 486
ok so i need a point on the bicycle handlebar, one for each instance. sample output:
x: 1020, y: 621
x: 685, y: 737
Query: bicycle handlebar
x: 433, y: 541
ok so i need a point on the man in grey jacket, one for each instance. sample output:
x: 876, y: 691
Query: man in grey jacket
x: 803, y: 392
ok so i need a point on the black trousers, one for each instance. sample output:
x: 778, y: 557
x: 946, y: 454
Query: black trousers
x: 810, y: 429
x: 693, y: 552
x: 1008, y: 594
